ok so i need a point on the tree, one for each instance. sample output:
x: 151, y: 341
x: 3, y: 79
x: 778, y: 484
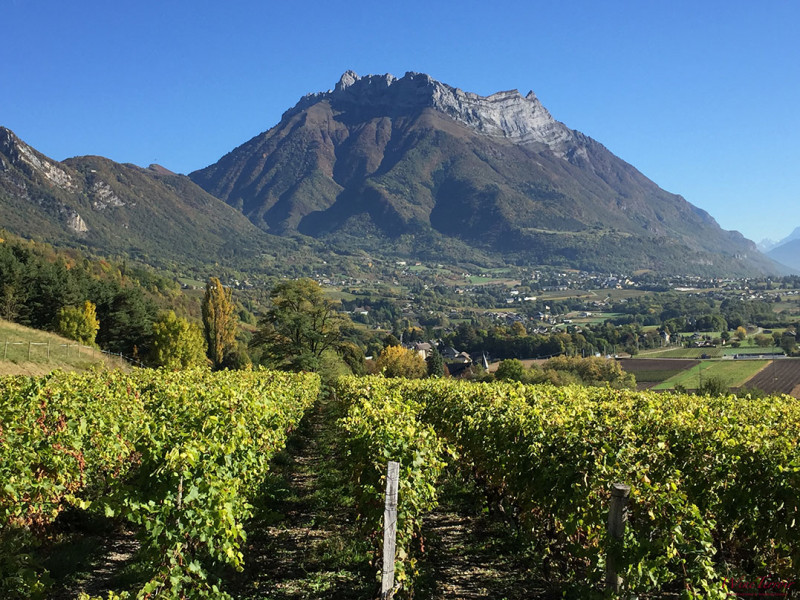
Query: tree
x: 79, y: 323
x: 763, y: 340
x: 353, y: 356
x: 788, y: 342
x: 713, y: 386
x: 390, y: 340
x: 10, y: 302
x: 177, y: 343
x: 741, y: 333
x: 300, y: 327
x: 518, y: 329
x: 510, y: 369
x: 219, y: 321
x: 435, y: 364
x: 126, y: 317
x: 396, y: 361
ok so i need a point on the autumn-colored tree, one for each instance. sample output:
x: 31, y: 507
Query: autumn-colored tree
x: 219, y: 321
x: 177, y: 343
x: 396, y: 361
x: 741, y: 333
x: 79, y: 323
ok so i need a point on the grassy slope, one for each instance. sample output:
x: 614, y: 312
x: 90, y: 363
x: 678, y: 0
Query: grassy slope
x: 64, y: 354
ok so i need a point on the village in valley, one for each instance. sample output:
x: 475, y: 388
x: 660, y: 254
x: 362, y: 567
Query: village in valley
x: 670, y: 332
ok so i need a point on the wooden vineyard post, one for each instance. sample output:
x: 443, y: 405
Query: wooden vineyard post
x: 29, y: 350
x: 389, y: 530
x: 617, y: 515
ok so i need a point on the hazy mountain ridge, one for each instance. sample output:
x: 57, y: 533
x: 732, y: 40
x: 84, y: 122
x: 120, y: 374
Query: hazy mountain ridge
x: 413, y: 156
x: 787, y: 251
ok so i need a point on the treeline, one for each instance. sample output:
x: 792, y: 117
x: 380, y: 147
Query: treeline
x: 515, y: 341
x: 679, y: 313
x: 564, y: 370
x: 37, y: 283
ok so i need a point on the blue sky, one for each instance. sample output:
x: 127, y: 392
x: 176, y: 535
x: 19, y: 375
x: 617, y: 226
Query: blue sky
x: 702, y: 97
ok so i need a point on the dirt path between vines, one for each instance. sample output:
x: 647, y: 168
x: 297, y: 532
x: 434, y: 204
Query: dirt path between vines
x: 471, y: 555
x: 302, y: 543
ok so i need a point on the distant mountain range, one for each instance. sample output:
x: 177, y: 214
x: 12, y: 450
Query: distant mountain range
x: 786, y: 251
x: 406, y: 167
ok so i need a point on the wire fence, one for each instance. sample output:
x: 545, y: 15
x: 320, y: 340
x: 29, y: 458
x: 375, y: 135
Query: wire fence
x: 38, y: 351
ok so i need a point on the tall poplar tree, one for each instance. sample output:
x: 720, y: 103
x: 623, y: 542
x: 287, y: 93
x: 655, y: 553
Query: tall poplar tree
x: 219, y: 321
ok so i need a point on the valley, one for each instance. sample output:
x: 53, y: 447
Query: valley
x: 205, y: 375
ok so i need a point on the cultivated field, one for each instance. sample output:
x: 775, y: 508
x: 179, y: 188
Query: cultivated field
x: 780, y: 376
x: 652, y: 371
x: 688, y: 353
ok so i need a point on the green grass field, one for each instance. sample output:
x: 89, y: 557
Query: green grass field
x: 192, y: 282
x: 339, y: 295
x: 477, y: 279
x: 733, y: 372
x: 683, y: 353
x: 751, y: 350
x: 596, y: 318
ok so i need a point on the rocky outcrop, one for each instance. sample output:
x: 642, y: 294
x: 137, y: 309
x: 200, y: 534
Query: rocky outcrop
x: 74, y: 221
x: 509, y: 115
x: 104, y: 196
x: 19, y: 152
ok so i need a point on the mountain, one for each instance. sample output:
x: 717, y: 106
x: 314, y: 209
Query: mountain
x: 766, y: 245
x: 415, y: 167
x: 787, y: 251
x: 150, y: 214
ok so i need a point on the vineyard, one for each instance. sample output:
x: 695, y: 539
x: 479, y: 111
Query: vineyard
x: 183, y: 460
x: 715, y: 490
x: 178, y: 455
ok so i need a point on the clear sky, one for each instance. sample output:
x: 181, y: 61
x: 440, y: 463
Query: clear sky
x: 702, y: 97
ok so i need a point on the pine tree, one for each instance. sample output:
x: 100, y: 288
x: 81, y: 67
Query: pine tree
x: 435, y: 364
x: 219, y: 321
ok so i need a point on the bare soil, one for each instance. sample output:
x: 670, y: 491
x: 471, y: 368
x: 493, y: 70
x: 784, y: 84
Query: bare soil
x: 781, y: 376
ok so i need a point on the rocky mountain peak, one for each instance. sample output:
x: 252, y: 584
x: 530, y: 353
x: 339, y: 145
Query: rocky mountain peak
x: 19, y: 153
x: 506, y: 114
